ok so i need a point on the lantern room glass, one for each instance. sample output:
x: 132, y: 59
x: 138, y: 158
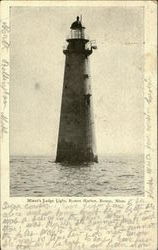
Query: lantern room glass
x: 77, y: 34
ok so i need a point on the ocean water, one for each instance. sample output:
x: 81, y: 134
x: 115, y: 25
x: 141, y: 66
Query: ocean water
x: 120, y: 175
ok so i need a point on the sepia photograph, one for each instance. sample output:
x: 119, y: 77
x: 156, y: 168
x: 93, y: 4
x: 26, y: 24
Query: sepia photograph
x: 78, y: 125
x: 76, y: 116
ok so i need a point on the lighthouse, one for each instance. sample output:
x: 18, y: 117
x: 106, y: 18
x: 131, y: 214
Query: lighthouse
x: 76, y: 137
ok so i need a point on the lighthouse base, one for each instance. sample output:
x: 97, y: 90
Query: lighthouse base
x: 74, y: 155
x: 76, y: 159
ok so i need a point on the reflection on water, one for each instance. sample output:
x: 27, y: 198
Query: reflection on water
x: 112, y: 176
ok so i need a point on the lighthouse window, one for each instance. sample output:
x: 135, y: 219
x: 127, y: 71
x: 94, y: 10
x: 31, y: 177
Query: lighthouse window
x: 87, y: 98
x: 86, y: 76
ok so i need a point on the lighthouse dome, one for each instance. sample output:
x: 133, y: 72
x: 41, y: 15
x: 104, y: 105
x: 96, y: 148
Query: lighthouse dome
x: 77, y: 24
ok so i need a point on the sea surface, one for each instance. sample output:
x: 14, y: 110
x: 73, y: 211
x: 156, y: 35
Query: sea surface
x: 119, y: 175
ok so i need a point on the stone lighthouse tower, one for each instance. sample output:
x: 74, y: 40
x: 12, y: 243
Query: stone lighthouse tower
x: 76, y: 139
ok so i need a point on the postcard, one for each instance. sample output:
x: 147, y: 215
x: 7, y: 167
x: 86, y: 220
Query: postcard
x: 78, y: 125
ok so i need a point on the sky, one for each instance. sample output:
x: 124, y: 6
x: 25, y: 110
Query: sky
x: 37, y: 66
